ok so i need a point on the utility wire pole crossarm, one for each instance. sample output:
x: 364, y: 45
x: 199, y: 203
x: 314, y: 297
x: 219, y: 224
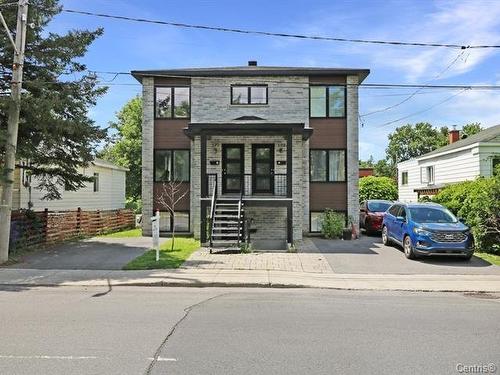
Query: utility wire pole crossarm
x: 12, y: 128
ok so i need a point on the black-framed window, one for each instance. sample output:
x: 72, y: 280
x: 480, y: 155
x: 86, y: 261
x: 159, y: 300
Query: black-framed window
x: 327, y: 101
x: 404, y: 178
x: 172, y: 165
x: 172, y: 102
x: 247, y: 95
x: 181, y: 222
x: 96, y: 182
x: 315, y: 221
x: 327, y: 165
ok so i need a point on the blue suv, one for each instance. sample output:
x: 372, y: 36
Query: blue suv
x: 426, y: 229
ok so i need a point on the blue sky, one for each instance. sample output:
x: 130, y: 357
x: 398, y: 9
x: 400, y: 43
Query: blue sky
x: 127, y: 46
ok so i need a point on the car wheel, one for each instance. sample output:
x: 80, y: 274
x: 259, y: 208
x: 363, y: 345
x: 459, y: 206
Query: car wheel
x: 467, y: 257
x: 408, y: 248
x: 385, y: 236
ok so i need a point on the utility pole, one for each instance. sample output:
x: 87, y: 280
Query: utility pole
x: 12, y: 126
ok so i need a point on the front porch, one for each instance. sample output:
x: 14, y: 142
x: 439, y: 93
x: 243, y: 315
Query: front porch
x: 257, y: 166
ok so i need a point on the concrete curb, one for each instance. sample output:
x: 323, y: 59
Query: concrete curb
x: 27, y: 278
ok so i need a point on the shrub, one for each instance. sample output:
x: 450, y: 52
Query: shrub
x: 332, y: 224
x: 372, y: 187
x: 478, y: 203
x: 134, y: 205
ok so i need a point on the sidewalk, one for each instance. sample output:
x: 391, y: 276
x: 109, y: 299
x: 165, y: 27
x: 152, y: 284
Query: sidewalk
x: 27, y: 278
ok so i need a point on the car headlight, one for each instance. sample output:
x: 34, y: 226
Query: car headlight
x: 421, y: 232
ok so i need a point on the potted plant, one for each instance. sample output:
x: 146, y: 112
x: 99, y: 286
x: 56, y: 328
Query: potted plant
x: 348, y: 230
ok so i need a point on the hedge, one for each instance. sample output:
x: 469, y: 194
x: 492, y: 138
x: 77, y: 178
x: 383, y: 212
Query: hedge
x: 478, y: 203
x: 372, y: 187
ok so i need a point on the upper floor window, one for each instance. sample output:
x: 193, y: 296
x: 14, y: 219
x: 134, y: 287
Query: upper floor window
x: 172, y: 165
x: 249, y: 94
x: 427, y: 175
x: 327, y: 101
x: 404, y: 178
x: 327, y: 165
x: 172, y: 102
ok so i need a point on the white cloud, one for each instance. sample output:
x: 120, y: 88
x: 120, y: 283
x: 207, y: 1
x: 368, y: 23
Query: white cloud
x: 466, y: 23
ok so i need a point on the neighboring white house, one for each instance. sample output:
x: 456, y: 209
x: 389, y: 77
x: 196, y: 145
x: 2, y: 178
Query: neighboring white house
x: 106, y: 192
x: 460, y: 160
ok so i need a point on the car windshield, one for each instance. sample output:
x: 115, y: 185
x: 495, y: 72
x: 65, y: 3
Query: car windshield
x: 431, y: 215
x: 378, y: 206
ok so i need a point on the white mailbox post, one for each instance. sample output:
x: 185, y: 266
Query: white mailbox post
x: 155, y: 225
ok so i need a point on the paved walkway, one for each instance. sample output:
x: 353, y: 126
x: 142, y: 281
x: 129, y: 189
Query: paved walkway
x: 21, y: 279
x: 260, y: 261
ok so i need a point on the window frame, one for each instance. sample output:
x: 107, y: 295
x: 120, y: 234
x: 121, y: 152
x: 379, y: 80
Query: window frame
x: 95, y: 182
x: 172, y: 101
x: 249, y: 94
x: 171, y: 150
x: 430, y: 178
x: 327, y: 101
x: 344, y: 212
x: 403, y: 182
x: 171, y: 226
x: 327, y: 181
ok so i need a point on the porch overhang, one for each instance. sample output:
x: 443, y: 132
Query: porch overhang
x: 234, y: 128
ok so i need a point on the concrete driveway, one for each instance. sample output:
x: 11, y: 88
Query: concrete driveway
x: 98, y: 253
x: 369, y: 256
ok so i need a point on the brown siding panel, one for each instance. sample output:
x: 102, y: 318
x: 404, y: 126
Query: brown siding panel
x: 326, y: 195
x: 328, y: 133
x: 170, y: 134
x: 182, y: 205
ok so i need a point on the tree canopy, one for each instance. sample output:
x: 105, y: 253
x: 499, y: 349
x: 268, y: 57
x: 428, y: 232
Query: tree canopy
x: 125, y: 147
x: 56, y: 136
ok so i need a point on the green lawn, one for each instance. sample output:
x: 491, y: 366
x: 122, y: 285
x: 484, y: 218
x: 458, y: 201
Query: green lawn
x: 124, y: 233
x: 492, y: 258
x: 183, y: 248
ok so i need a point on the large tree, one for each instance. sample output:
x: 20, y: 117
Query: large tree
x: 410, y: 141
x: 56, y: 136
x: 471, y: 129
x: 126, y: 146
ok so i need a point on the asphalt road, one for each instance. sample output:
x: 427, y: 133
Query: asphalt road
x: 133, y: 330
x: 369, y: 256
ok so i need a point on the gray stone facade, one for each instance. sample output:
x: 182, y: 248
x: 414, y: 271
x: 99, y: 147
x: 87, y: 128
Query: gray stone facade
x: 288, y: 99
x: 352, y: 151
x: 147, y: 153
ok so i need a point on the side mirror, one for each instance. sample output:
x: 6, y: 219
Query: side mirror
x: 400, y: 218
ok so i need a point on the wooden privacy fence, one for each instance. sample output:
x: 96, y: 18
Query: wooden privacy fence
x: 30, y: 228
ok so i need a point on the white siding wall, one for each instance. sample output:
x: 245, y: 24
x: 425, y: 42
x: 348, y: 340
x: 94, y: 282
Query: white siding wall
x: 111, y: 194
x: 486, y: 154
x: 454, y: 167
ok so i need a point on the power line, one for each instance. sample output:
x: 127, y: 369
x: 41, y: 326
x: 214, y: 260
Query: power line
x: 274, y: 34
x: 422, y: 111
x: 416, y: 91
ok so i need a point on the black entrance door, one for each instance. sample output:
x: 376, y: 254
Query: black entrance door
x: 232, y: 168
x: 263, y: 168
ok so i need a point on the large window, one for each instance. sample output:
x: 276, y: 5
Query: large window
x: 172, y: 165
x: 248, y: 94
x: 327, y: 101
x: 172, y: 102
x: 327, y: 165
x: 181, y: 222
x: 427, y: 175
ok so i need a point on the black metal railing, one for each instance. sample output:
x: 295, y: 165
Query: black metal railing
x: 278, y: 185
x: 212, y: 185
